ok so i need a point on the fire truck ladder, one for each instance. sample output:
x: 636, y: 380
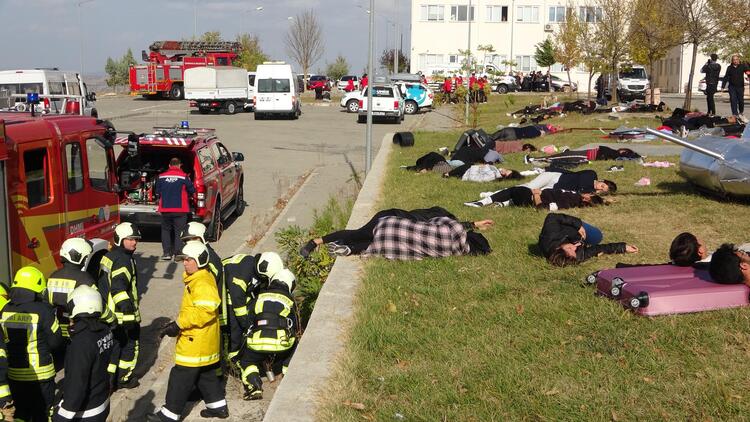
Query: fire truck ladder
x: 171, y: 48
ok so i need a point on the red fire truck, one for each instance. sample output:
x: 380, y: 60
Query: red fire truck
x: 162, y: 75
x: 57, y: 180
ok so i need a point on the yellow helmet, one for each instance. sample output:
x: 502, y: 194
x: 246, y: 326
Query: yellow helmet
x: 30, y: 278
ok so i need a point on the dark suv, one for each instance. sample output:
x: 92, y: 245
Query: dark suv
x: 215, y: 171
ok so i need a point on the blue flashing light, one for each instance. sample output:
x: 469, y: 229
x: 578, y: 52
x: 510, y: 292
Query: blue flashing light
x: 32, y: 98
x: 184, y: 124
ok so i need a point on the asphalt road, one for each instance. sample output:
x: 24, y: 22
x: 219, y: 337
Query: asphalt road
x: 308, y: 161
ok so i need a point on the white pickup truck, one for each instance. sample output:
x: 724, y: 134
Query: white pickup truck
x: 216, y: 88
x: 387, y: 104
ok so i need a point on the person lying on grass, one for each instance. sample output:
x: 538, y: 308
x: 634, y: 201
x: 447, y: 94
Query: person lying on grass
x: 686, y: 250
x: 584, y: 181
x: 584, y: 156
x: 566, y: 240
x: 484, y: 171
x: 548, y: 199
x: 524, y: 132
x: 730, y: 265
x: 441, y: 233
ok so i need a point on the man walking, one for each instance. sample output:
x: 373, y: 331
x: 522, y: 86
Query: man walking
x: 173, y: 186
x: 735, y: 78
x: 712, y: 69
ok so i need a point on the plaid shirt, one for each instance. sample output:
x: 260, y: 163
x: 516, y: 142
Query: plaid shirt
x: 401, y: 238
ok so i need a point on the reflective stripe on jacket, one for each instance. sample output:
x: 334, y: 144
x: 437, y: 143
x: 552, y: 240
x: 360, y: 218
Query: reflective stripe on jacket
x: 276, y: 306
x: 198, y: 342
x: 118, y: 284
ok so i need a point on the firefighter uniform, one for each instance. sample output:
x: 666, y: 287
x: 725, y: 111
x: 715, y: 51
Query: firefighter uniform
x: 86, y: 385
x: 119, y: 288
x: 60, y: 284
x: 242, y: 283
x: 30, y: 327
x: 197, y: 350
x: 273, y: 333
x: 4, y: 388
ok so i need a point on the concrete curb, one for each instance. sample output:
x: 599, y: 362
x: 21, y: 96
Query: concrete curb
x: 296, y: 398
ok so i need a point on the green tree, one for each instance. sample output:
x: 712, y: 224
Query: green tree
x: 251, y: 54
x: 118, y: 71
x: 612, y: 29
x: 486, y: 49
x: 338, y: 69
x: 386, y: 60
x: 733, y: 28
x: 112, y: 74
x: 567, y: 49
x: 653, y: 32
x: 211, y: 36
x: 545, y: 55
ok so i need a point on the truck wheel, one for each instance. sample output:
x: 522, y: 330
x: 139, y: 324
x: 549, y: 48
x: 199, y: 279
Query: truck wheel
x: 203, y: 110
x: 502, y: 89
x: 352, y: 106
x: 176, y: 92
x: 214, y: 227
x: 240, y: 200
x: 231, y: 108
x: 411, y: 107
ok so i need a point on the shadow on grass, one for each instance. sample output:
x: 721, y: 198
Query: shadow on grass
x: 535, y: 251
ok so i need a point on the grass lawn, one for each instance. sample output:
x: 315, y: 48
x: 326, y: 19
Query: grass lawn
x: 509, y: 337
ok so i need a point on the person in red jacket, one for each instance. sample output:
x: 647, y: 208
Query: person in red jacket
x: 173, y: 187
x: 349, y: 86
x: 363, y: 81
x: 480, y: 89
x: 472, y: 87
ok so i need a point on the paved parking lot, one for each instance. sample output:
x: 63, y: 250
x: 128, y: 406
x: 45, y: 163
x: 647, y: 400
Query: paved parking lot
x: 306, y: 160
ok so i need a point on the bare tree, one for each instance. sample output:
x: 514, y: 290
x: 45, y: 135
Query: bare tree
x: 653, y: 32
x: 591, y: 46
x: 612, y: 28
x: 698, y: 26
x: 304, y: 40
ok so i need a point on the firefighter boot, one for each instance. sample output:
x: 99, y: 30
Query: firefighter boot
x: 253, y: 388
x: 220, y: 413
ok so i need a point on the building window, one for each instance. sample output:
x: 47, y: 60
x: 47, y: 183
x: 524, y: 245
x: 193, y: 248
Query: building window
x: 590, y: 14
x: 427, y: 60
x: 432, y: 12
x: 527, y: 14
x: 497, y: 14
x: 557, y: 14
x: 453, y: 59
x: 525, y: 63
x: 458, y: 13
x: 497, y: 61
x: 557, y: 67
x: 36, y: 172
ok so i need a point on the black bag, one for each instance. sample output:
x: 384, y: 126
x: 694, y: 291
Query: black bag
x: 473, y: 138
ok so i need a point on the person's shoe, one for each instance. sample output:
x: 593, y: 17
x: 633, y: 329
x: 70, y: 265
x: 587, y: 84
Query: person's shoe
x: 341, y: 250
x: 129, y: 384
x: 486, y: 194
x: 616, y: 168
x: 332, y: 246
x: 527, y: 159
x: 307, y: 249
x: 254, y: 394
x: 179, y: 257
x: 221, y: 413
x: 166, y: 257
x: 474, y: 204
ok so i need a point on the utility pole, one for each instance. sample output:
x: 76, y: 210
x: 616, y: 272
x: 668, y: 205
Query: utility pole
x: 396, y: 51
x: 195, y: 20
x: 80, y: 32
x: 370, y: 79
x: 468, y: 66
x: 512, y: 21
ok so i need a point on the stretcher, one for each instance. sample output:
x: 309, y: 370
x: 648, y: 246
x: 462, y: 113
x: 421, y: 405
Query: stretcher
x: 667, y: 289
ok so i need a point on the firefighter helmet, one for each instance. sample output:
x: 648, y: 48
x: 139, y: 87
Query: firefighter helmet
x: 197, y: 251
x: 192, y: 230
x: 84, y: 301
x: 286, y: 278
x: 269, y: 263
x: 126, y: 231
x: 30, y: 278
x: 75, y: 250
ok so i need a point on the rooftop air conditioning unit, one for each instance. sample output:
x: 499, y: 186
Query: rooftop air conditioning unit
x: 548, y: 27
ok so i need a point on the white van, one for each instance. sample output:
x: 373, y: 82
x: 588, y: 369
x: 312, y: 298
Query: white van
x: 251, y: 89
x: 47, y: 82
x: 276, y: 91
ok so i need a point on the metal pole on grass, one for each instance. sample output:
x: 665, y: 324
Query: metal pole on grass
x: 396, y: 51
x: 370, y: 76
x: 468, y: 66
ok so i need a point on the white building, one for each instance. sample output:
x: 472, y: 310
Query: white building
x: 439, y: 30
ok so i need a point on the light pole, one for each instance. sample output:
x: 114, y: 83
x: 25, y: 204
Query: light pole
x: 371, y: 48
x: 257, y: 9
x: 195, y: 20
x: 396, y: 50
x: 468, y: 66
x: 512, y: 27
x: 80, y: 31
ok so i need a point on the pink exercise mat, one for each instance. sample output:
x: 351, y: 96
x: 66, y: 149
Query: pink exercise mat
x: 667, y: 289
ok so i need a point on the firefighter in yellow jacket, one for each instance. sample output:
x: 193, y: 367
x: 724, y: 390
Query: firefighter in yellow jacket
x: 197, y: 350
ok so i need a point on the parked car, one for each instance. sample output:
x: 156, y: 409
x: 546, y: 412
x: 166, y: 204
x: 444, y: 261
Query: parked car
x: 416, y: 96
x: 632, y: 84
x: 276, y: 91
x: 560, y: 84
x: 341, y: 84
x: 316, y: 81
x: 387, y: 104
x: 350, y: 101
x: 215, y: 171
x: 504, y: 84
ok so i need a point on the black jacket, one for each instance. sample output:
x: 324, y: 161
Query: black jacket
x: 579, y: 181
x: 4, y: 388
x: 712, y: 71
x: 242, y: 287
x: 86, y: 383
x: 216, y: 268
x: 60, y: 284
x: 18, y: 321
x: 558, y: 229
x: 118, y: 284
x: 735, y: 76
x: 561, y: 198
x: 590, y: 251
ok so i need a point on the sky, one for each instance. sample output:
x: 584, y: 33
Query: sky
x: 46, y: 33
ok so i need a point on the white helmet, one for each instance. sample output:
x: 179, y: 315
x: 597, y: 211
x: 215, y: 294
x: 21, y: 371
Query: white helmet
x: 126, y: 231
x: 268, y: 264
x: 197, y: 251
x: 194, y: 229
x: 285, y: 277
x: 84, y: 300
x: 75, y: 250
